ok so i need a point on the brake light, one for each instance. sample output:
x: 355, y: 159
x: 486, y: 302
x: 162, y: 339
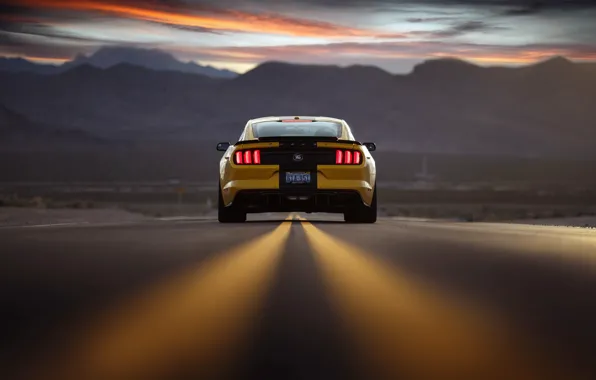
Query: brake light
x: 348, y: 157
x: 339, y: 157
x: 247, y: 157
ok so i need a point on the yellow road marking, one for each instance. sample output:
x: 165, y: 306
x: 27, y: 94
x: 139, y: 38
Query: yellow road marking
x: 199, y: 319
x: 406, y: 329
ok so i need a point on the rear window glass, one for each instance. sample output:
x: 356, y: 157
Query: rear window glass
x: 296, y: 128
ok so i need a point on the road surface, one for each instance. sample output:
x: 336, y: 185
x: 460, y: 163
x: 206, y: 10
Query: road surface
x: 297, y: 297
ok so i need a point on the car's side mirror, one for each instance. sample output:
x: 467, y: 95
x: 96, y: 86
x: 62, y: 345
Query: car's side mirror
x: 223, y: 146
x: 370, y: 146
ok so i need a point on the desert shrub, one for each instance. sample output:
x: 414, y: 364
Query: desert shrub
x: 14, y: 200
x: 37, y: 202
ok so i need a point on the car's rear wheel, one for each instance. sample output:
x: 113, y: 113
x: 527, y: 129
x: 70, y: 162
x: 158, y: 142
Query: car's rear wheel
x: 228, y: 214
x: 363, y: 213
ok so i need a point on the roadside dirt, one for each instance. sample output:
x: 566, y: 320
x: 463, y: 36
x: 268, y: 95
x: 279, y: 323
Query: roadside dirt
x: 16, y: 216
x: 580, y: 221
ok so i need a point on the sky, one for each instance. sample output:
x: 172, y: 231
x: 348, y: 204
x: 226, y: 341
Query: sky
x: 239, y: 34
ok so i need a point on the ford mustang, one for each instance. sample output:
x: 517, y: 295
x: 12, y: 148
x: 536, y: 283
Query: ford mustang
x: 305, y: 164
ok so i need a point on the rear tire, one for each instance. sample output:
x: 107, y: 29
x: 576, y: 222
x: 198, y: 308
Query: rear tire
x: 363, y: 213
x: 228, y: 214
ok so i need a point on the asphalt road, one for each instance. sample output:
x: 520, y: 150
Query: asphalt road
x: 308, y: 297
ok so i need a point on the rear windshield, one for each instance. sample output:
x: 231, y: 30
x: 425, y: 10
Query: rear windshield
x: 296, y: 128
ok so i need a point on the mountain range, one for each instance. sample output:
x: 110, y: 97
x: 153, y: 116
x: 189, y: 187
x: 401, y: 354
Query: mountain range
x: 442, y: 106
x: 107, y: 57
x: 17, y: 132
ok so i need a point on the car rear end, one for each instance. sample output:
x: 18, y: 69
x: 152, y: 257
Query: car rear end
x: 309, y: 172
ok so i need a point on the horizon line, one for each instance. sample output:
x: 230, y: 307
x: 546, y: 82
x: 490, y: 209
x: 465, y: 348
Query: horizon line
x: 58, y: 62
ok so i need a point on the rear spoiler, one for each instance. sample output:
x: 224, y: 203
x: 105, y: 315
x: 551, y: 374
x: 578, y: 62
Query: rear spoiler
x: 298, y: 139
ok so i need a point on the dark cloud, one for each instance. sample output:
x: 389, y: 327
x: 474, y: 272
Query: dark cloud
x: 516, y: 4
x: 30, y: 46
x: 63, y: 47
x: 460, y: 29
x: 512, y: 7
x: 473, y: 26
x: 536, y: 7
x: 529, y: 9
x: 466, y: 27
x: 44, y: 31
x: 416, y: 20
x: 8, y: 9
x: 189, y: 28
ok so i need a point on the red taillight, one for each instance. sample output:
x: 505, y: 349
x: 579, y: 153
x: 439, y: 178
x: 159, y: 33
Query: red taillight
x: 247, y: 157
x: 339, y: 157
x: 348, y: 157
x: 239, y: 160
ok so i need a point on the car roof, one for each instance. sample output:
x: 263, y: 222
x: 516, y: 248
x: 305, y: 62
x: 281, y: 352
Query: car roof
x: 318, y: 118
x: 346, y: 130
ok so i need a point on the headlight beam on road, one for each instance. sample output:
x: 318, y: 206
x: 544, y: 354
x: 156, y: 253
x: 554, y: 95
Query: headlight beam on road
x: 404, y: 328
x: 199, y: 320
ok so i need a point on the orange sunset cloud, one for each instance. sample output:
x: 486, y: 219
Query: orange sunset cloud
x: 219, y: 20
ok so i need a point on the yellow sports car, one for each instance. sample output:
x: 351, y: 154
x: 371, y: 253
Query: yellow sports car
x: 309, y: 164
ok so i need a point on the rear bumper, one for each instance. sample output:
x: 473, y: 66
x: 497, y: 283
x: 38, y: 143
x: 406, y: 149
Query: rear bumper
x: 348, y: 181
x: 275, y: 200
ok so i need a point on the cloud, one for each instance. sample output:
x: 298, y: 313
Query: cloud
x: 463, y: 28
x: 37, y: 48
x: 514, y: 4
x: 188, y: 28
x: 362, y: 3
x: 417, y: 20
x: 203, y: 17
x: 63, y: 28
x: 535, y: 7
x: 530, y: 9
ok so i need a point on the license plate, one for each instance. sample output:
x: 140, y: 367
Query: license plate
x: 297, y: 177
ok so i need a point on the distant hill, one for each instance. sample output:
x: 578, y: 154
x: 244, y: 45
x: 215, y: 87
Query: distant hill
x: 18, y: 131
x: 107, y: 57
x: 444, y: 106
x: 20, y: 65
x: 123, y: 101
x: 12, y: 123
x: 153, y: 59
